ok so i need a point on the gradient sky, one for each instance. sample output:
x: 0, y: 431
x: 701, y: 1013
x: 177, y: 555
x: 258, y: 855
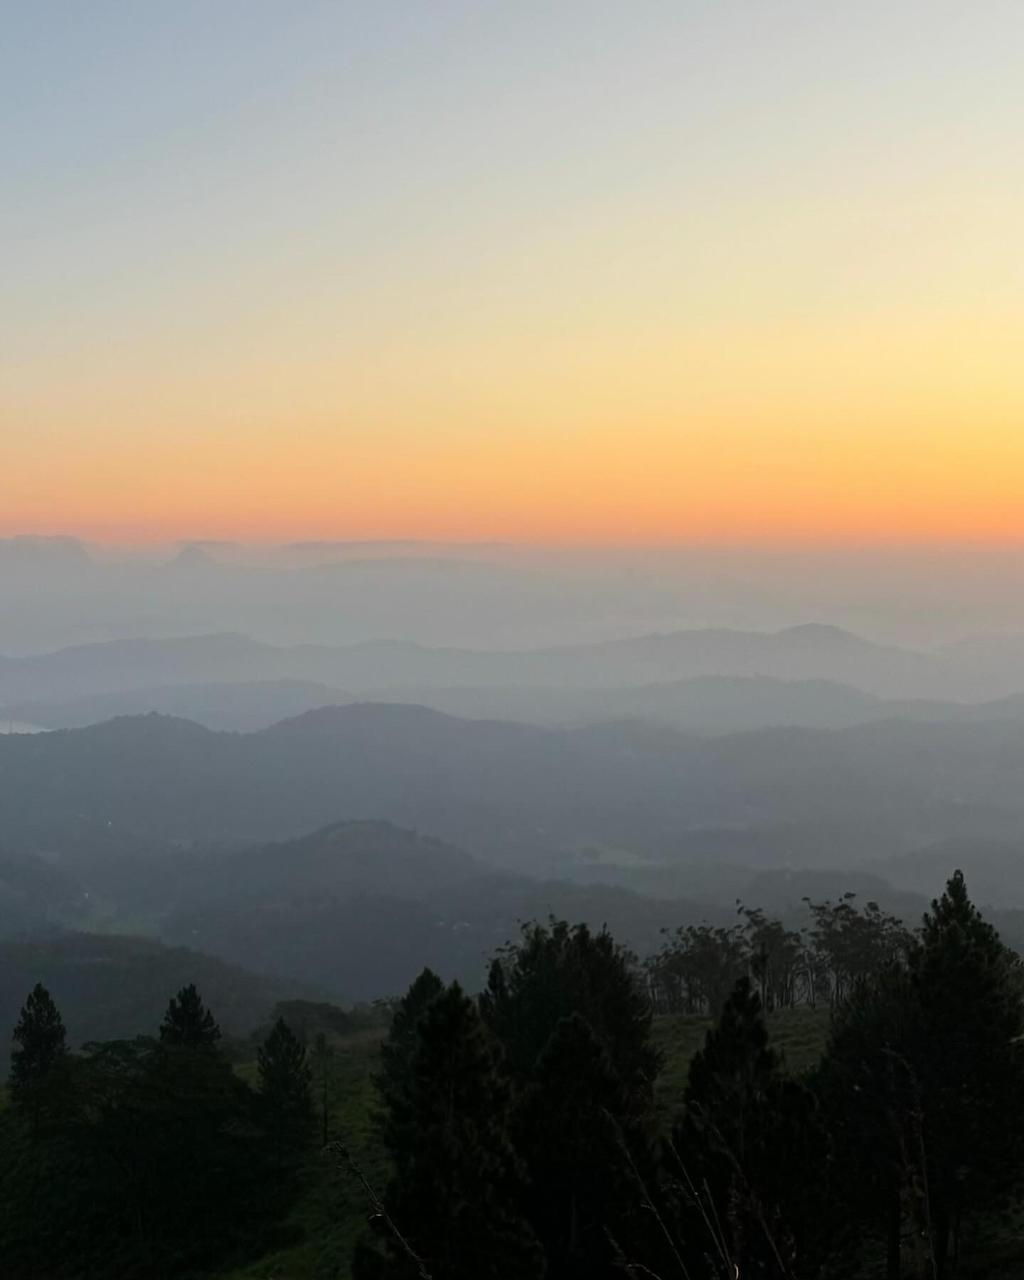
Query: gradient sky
x: 634, y: 272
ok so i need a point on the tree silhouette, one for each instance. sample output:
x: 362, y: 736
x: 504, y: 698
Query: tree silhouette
x: 969, y: 1062
x: 581, y: 1193
x: 322, y: 1062
x: 871, y: 1094
x: 456, y: 1177
x: 399, y: 1048
x: 741, y: 1146
x: 285, y: 1080
x: 41, y: 1050
x: 188, y: 1022
x: 555, y: 971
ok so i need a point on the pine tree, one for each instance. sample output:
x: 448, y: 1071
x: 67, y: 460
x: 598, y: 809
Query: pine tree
x: 188, y: 1022
x: 41, y: 1052
x: 285, y: 1091
x: 581, y: 1192
x: 924, y: 1079
x: 968, y: 1062
x: 397, y: 1051
x: 456, y: 1179
x: 195, y: 1116
x: 736, y: 1148
x: 555, y: 971
x: 323, y: 1080
x: 872, y: 1103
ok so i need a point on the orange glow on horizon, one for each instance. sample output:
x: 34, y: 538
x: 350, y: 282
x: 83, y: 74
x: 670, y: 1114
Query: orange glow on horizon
x: 714, y: 275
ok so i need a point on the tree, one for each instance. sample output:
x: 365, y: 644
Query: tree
x: 452, y: 1202
x: 398, y: 1050
x: 871, y: 1096
x: 741, y: 1146
x: 322, y: 1061
x: 582, y: 1197
x: 201, y: 1173
x: 41, y: 1051
x: 925, y: 1082
x: 188, y: 1022
x: 851, y: 944
x: 969, y: 1063
x: 697, y: 968
x: 558, y: 970
x: 285, y: 1091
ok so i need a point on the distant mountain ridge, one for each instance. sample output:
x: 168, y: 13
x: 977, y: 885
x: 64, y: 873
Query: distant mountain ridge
x: 518, y: 796
x: 359, y: 908
x: 804, y: 652
x: 710, y: 680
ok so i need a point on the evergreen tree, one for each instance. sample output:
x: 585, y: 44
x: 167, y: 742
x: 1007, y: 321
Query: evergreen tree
x: 452, y: 1203
x: 397, y: 1051
x: 924, y: 1079
x: 872, y: 1101
x: 582, y: 1194
x: 40, y: 1054
x: 201, y: 1172
x: 285, y: 1091
x: 188, y: 1022
x: 322, y: 1062
x: 559, y: 970
x: 740, y: 1149
x: 968, y: 1061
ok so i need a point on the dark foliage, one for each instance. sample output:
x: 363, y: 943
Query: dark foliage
x: 38, y: 1061
x: 154, y: 1159
x: 744, y: 1156
x: 286, y: 1100
x: 555, y: 971
x: 188, y: 1022
x: 518, y: 1135
x: 453, y: 1200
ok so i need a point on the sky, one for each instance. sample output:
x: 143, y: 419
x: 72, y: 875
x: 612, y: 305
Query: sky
x: 575, y: 272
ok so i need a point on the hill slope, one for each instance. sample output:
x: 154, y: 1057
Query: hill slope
x: 118, y: 987
x: 516, y: 795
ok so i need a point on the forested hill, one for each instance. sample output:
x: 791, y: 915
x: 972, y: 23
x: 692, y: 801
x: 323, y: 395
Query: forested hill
x: 519, y: 796
x: 111, y: 987
x: 358, y: 908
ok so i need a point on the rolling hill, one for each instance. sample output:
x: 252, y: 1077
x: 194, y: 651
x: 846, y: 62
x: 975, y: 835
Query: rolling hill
x: 517, y: 796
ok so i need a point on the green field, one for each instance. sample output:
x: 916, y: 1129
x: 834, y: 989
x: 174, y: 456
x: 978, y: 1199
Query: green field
x: 334, y: 1209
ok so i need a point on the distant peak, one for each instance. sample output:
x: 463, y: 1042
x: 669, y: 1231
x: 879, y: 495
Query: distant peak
x: 192, y: 556
x: 37, y: 551
x: 823, y: 632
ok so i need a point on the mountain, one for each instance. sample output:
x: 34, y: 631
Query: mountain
x: 194, y: 557
x: 36, y: 894
x: 235, y: 705
x: 116, y: 665
x: 473, y: 597
x: 341, y: 860
x: 702, y: 705
x: 33, y: 555
x: 515, y: 795
x: 118, y: 987
x: 994, y: 868
x: 806, y: 653
x: 706, y: 704
x: 359, y: 909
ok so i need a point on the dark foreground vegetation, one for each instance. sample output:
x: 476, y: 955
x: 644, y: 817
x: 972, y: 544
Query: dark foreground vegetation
x: 753, y: 1102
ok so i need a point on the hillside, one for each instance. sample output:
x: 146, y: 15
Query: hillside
x: 359, y: 908
x: 516, y: 796
x: 808, y: 652
x: 118, y: 987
